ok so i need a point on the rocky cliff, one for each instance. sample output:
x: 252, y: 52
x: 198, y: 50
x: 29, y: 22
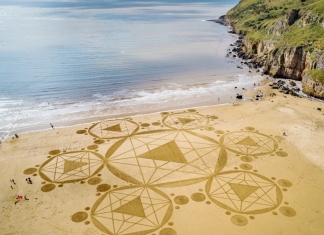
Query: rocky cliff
x: 286, y: 36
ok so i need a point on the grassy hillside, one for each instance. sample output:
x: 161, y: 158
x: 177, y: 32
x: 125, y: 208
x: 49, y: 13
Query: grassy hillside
x: 317, y: 75
x: 257, y: 18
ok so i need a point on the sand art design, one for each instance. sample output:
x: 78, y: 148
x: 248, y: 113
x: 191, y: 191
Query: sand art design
x: 173, y: 157
x: 71, y: 166
x: 113, y: 129
x: 166, y: 158
x: 185, y: 121
x: 249, y: 143
x: 131, y: 210
x: 244, y: 192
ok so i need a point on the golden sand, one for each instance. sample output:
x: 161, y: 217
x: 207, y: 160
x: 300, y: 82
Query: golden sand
x: 212, y: 170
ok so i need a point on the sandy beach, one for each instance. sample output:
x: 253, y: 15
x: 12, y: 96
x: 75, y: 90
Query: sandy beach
x: 252, y: 168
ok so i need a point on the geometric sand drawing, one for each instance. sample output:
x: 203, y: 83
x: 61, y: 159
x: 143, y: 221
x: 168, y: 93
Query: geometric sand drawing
x: 166, y: 158
x: 249, y: 143
x: 71, y: 166
x: 175, y: 156
x: 185, y: 121
x: 131, y: 210
x: 113, y: 129
x: 244, y: 192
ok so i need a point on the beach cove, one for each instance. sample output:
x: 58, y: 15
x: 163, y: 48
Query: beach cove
x: 252, y: 168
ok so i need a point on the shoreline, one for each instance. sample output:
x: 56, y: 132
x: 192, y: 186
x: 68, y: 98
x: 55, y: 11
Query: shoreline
x: 250, y: 141
x: 224, y: 98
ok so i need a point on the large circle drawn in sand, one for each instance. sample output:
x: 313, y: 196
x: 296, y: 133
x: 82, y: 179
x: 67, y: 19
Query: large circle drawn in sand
x: 131, y: 210
x: 244, y: 192
x: 145, y: 124
x: 239, y: 220
x: 103, y: 187
x: 281, y: 154
x: 92, y: 147
x: 249, y: 143
x: 79, y: 217
x: 287, y: 211
x: 168, y: 158
x: 245, y: 166
x: 167, y: 231
x: 219, y: 132
x: 181, y: 200
x: 185, y: 121
x: 284, y: 183
x: 94, y: 181
x: 113, y: 129
x: 99, y: 141
x: 48, y: 187
x: 54, y: 152
x: 246, y: 159
x: 81, y: 132
x: 198, y: 197
x: 30, y: 171
x: 69, y: 167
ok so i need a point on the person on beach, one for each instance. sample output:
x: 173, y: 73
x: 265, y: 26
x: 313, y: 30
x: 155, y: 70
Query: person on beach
x: 16, y: 136
x: 52, y: 125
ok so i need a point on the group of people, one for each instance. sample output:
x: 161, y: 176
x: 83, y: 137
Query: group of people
x: 20, y: 197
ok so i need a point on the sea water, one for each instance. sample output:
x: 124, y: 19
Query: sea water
x: 67, y: 61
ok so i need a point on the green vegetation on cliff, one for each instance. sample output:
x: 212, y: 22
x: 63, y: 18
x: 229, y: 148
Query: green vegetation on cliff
x: 286, y: 22
x: 316, y: 75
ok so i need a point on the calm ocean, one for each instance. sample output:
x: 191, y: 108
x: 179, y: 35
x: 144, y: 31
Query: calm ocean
x: 63, y: 61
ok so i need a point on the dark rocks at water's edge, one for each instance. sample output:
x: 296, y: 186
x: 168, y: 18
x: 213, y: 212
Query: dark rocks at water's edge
x: 270, y: 42
x: 286, y: 87
x: 237, y: 50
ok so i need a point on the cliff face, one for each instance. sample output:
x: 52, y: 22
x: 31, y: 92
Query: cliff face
x: 288, y: 39
x: 313, y: 86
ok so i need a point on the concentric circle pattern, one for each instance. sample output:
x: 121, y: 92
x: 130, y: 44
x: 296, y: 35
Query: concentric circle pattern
x: 131, y: 210
x: 71, y: 166
x: 244, y: 192
x: 167, y: 158
x: 249, y: 143
x: 113, y: 129
x: 185, y: 121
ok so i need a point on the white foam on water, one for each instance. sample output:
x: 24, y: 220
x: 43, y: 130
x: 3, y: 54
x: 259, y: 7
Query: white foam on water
x: 23, y: 114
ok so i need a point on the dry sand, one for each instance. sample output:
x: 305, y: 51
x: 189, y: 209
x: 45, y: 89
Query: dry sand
x: 214, y: 170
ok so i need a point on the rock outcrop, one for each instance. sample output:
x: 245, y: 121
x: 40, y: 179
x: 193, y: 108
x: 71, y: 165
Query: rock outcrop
x: 313, y: 86
x: 288, y: 46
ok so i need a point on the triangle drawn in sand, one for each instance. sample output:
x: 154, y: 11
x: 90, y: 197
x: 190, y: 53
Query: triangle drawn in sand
x: 72, y: 165
x: 248, y: 141
x: 185, y: 121
x: 243, y: 191
x: 115, y: 128
x: 168, y: 152
x: 133, y: 207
